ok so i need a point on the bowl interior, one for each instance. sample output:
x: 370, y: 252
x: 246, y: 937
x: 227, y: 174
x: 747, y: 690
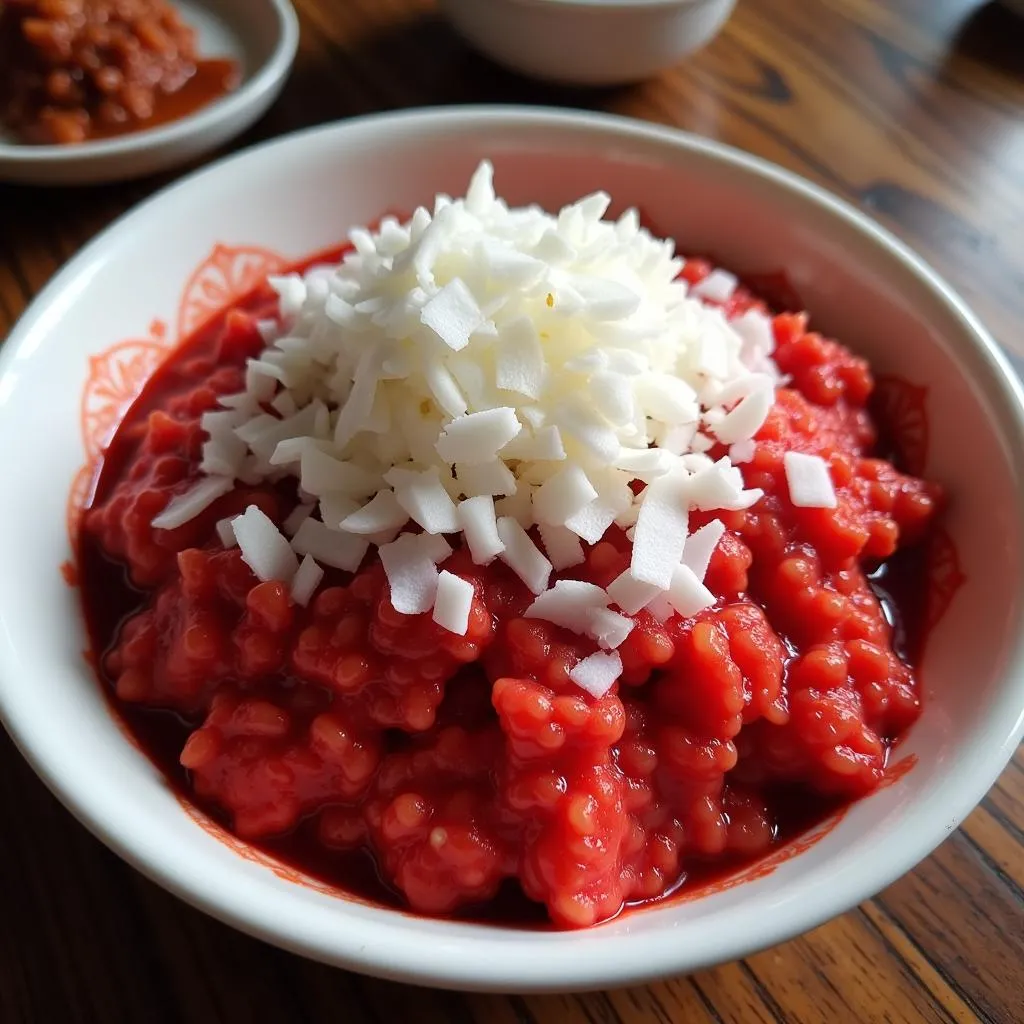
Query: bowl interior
x: 301, y: 194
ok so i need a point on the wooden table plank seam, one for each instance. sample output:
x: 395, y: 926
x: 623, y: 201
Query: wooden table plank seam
x: 661, y: 1014
x: 768, y: 1000
x: 935, y: 985
x: 708, y: 1004
x: 994, y: 805
x: 993, y: 854
x: 952, y: 965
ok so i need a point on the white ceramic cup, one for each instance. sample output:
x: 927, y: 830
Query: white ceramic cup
x: 588, y: 42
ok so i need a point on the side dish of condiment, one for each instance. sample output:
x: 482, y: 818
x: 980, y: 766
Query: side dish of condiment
x: 105, y: 90
x: 72, y: 70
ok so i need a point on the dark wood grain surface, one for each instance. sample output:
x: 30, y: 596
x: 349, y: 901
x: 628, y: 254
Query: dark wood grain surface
x: 912, y: 109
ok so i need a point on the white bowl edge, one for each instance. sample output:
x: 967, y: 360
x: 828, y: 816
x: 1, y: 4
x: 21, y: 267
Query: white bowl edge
x: 585, y: 965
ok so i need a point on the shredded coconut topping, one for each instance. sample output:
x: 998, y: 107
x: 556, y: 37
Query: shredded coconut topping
x: 505, y: 375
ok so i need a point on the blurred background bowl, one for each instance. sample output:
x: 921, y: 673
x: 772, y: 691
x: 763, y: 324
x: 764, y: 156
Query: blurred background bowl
x: 588, y: 42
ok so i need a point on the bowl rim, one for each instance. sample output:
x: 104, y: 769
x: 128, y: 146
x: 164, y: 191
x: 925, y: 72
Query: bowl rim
x: 553, y: 961
x: 22, y: 156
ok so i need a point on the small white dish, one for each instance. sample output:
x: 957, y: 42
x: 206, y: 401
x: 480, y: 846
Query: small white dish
x: 262, y: 35
x: 80, y: 354
x: 588, y: 42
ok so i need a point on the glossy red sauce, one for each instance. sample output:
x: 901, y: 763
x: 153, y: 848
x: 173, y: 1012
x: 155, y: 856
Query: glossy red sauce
x: 898, y: 583
x: 210, y: 80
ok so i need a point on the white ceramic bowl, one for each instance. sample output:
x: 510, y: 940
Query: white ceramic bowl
x: 91, y: 333
x: 262, y: 35
x: 588, y: 42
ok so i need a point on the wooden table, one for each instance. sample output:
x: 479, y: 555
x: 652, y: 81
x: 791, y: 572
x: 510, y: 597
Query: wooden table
x: 914, y: 110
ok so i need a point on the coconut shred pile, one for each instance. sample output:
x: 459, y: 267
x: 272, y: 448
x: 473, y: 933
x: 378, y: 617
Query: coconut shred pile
x: 480, y: 371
